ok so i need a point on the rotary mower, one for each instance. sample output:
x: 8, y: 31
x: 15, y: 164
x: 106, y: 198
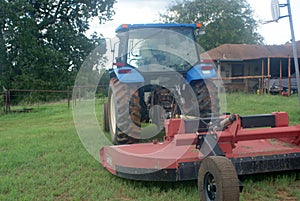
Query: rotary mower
x: 236, y: 145
x: 214, y: 149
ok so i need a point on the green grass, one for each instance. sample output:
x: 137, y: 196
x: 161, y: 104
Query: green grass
x: 42, y: 158
x: 246, y: 104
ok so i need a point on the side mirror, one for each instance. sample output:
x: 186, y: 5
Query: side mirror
x: 199, y: 32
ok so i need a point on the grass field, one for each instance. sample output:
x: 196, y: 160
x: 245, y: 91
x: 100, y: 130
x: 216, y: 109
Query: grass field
x: 42, y: 158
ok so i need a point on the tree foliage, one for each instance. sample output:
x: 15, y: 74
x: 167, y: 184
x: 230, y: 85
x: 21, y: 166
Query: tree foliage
x: 225, y: 21
x: 43, y: 42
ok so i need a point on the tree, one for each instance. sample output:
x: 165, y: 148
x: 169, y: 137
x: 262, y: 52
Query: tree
x: 225, y: 21
x: 43, y: 42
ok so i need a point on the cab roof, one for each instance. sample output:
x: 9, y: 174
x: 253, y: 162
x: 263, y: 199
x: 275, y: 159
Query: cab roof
x: 126, y: 27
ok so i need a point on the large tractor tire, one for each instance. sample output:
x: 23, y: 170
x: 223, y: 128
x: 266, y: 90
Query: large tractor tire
x: 105, y: 123
x: 217, y: 180
x: 124, y: 112
x: 207, y: 97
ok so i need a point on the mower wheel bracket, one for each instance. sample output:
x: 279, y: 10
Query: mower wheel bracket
x: 208, y: 145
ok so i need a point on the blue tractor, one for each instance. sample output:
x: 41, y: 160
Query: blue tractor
x: 154, y: 66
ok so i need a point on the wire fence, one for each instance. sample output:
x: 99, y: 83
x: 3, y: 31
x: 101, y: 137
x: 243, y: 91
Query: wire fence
x: 20, y: 100
x: 16, y: 100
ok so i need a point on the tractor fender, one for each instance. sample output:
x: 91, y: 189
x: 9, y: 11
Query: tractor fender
x: 200, y: 71
x: 128, y: 75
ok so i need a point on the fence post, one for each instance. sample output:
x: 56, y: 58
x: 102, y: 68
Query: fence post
x: 6, y: 100
x: 68, y: 97
x: 3, y: 100
x: 8, y: 92
x: 74, y: 96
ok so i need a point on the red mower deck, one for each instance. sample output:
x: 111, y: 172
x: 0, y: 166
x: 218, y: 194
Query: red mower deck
x: 254, y: 144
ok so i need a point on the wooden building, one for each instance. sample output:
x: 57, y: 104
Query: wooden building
x: 246, y: 67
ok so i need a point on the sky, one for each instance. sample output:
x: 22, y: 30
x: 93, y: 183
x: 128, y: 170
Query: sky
x: 147, y: 11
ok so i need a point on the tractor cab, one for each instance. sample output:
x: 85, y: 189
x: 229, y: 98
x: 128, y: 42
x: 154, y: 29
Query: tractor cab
x: 145, y: 49
x: 170, y: 45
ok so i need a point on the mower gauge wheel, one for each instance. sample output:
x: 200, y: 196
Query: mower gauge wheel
x: 210, y: 186
x: 217, y: 180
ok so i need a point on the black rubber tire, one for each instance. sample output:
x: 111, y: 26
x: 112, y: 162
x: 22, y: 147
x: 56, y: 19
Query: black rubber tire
x: 105, y: 123
x: 207, y: 97
x: 217, y: 180
x: 163, y: 99
x: 124, y: 112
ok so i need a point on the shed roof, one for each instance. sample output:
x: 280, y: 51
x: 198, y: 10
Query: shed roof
x: 251, y: 51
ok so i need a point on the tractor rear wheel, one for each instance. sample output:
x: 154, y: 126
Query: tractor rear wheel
x: 105, y: 123
x: 217, y: 180
x: 124, y: 112
x: 207, y: 97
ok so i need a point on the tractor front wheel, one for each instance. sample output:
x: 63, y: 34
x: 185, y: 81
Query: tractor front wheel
x: 217, y: 180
